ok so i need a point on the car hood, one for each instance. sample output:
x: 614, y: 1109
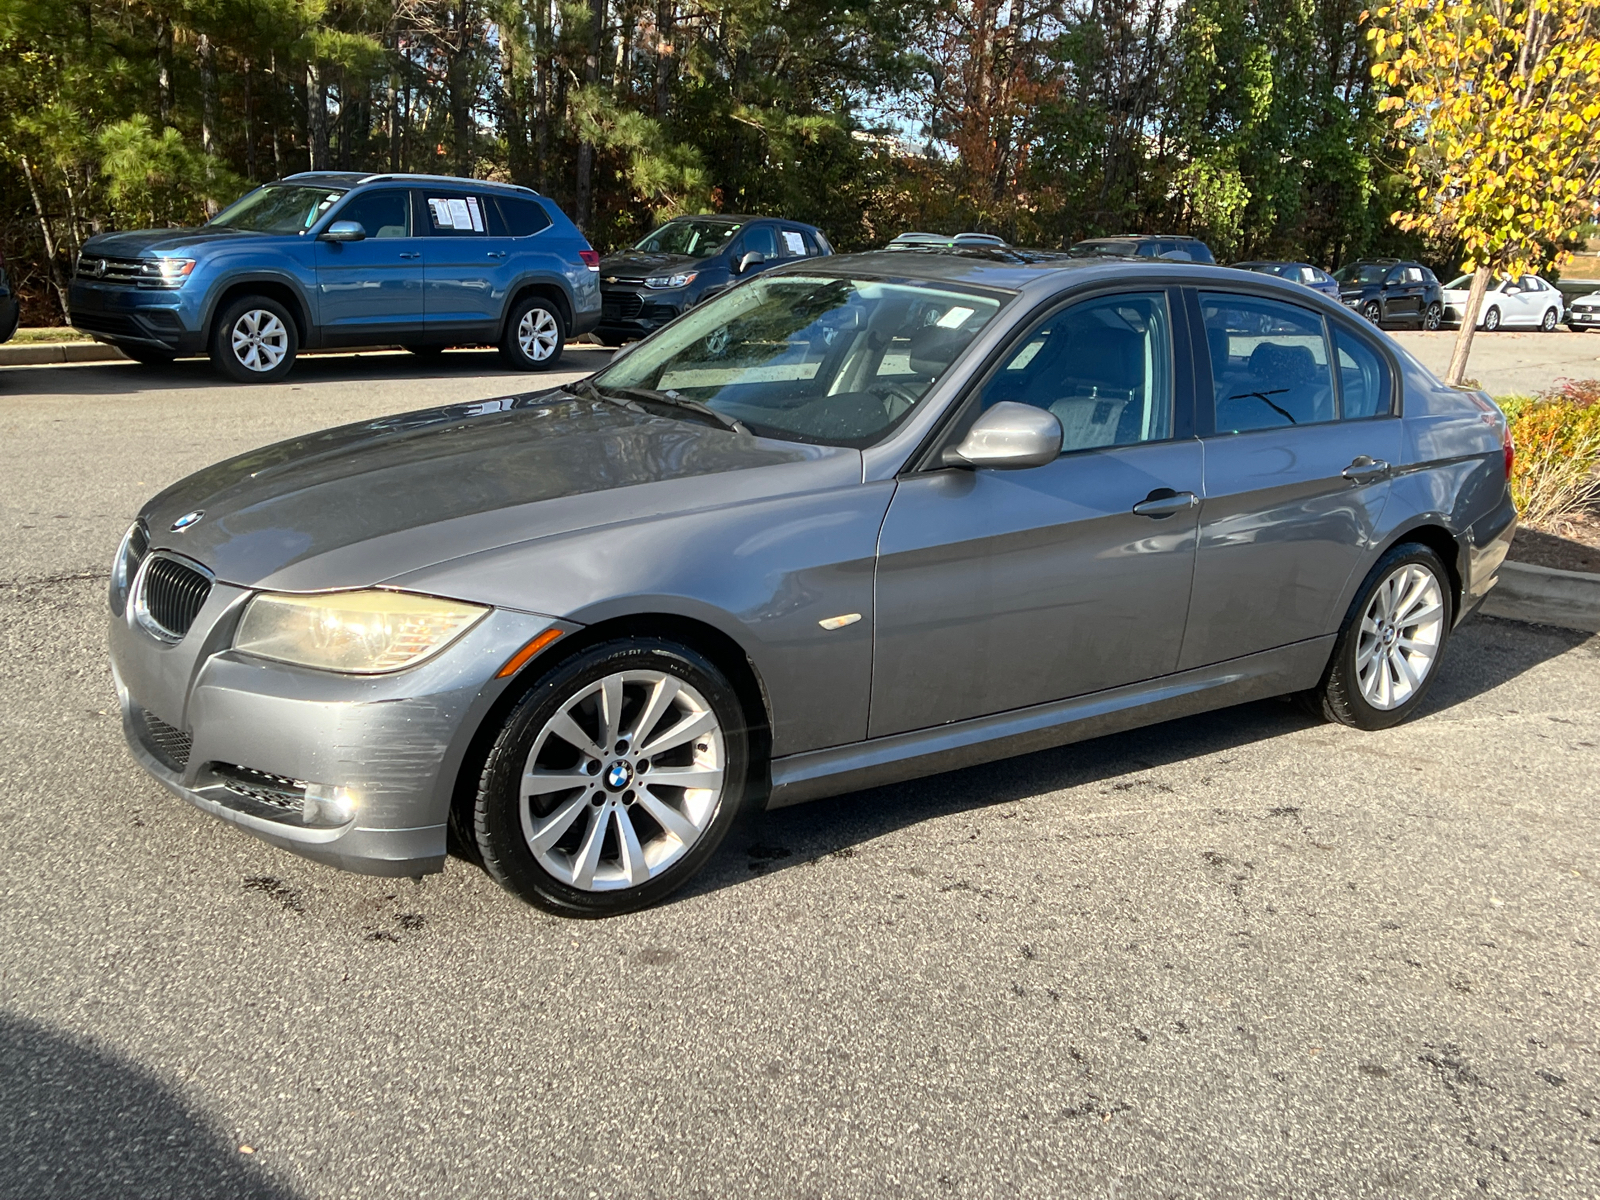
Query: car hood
x: 632, y: 264
x: 361, y: 504
x: 132, y: 243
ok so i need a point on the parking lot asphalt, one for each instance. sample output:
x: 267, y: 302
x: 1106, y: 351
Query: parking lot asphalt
x: 1243, y: 954
x: 1511, y: 361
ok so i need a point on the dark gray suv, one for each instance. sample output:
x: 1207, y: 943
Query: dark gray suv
x: 340, y: 259
x: 860, y: 519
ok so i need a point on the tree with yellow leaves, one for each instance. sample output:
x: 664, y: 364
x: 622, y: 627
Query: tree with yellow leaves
x: 1499, y: 104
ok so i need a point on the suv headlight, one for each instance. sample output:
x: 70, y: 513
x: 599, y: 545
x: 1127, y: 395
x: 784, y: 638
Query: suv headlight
x: 359, y: 633
x: 671, y: 281
x: 171, y: 271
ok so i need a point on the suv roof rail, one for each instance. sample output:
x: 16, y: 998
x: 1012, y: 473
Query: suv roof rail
x: 446, y: 179
x: 947, y: 240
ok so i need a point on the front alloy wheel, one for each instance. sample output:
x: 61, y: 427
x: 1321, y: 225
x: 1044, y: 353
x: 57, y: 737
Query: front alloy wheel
x: 1388, y: 652
x: 613, y: 780
x: 1434, y: 316
x: 1372, y: 311
x: 254, y: 341
x: 1491, y: 320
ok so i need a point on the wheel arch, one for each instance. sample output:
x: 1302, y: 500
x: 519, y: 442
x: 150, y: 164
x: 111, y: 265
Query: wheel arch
x: 1433, y: 533
x: 546, y: 287
x: 274, y: 287
x: 725, y: 653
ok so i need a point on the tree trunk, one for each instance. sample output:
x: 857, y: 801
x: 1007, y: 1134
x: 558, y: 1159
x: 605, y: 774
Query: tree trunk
x: 544, y: 36
x: 49, y: 239
x: 164, y: 71
x: 208, y: 109
x: 1469, y: 323
x: 277, y: 152
x: 664, y: 53
x: 316, y: 117
x: 584, y: 200
x: 249, y: 129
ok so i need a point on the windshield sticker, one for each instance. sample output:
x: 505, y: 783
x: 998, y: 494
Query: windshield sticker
x: 795, y: 243
x: 477, y: 216
x: 954, y: 318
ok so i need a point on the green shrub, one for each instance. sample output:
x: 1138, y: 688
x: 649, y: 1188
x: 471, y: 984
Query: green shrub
x: 1557, y: 437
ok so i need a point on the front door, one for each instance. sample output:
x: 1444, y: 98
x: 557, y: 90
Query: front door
x: 1000, y: 589
x: 1296, y: 475
x: 372, y: 290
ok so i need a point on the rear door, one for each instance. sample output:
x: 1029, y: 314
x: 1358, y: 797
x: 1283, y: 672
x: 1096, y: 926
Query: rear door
x: 1298, y: 458
x: 466, y: 269
x: 372, y: 290
x: 999, y: 589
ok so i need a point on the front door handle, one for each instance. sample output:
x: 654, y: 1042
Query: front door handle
x: 497, y: 253
x: 411, y: 254
x: 1163, y: 502
x: 1366, y: 470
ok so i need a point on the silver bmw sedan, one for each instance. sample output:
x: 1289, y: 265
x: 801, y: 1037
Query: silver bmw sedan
x: 858, y: 520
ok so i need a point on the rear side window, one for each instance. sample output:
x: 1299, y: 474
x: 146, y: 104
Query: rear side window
x: 1363, y: 379
x: 513, y: 216
x: 1103, y: 367
x: 1269, y: 363
x: 795, y: 244
x: 451, y: 216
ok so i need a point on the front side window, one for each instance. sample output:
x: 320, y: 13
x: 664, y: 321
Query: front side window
x: 1395, y: 277
x: 1269, y: 363
x: 1102, y: 366
x: 762, y: 240
x: 1360, y: 273
x: 808, y: 359
x: 1363, y: 379
x: 278, y: 208
x: 381, y: 214
x: 697, y: 239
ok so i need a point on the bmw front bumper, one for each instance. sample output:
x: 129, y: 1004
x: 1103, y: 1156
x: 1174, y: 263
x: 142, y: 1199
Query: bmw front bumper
x: 353, y: 771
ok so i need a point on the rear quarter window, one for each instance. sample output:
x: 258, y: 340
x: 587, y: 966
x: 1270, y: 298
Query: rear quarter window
x: 514, y: 216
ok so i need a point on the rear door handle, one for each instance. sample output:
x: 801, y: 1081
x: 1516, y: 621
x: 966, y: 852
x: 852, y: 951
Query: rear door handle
x: 411, y: 254
x: 497, y: 253
x: 1366, y: 470
x: 1163, y: 502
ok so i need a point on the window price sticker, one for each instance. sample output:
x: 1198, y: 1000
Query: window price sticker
x: 456, y: 213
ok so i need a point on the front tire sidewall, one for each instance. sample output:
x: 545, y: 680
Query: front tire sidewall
x: 1339, y: 696
x: 223, y: 356
x: 1551, y: 320
x: 1433, y: 318
x: 511, y: 346
x: 497, y: 820
x: 1491, y: 320
x: 1373, y: 312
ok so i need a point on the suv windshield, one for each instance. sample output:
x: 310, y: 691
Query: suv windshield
x: 838, y: 362
x: 698, y: 239
x: 1362, y: 273
x: 278, y: 208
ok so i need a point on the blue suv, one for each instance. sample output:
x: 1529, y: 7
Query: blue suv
x: 331, y: 259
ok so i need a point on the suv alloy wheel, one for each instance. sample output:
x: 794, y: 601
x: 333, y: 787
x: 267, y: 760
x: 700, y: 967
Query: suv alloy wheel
x: 254, y: 340
x: 535, y: 335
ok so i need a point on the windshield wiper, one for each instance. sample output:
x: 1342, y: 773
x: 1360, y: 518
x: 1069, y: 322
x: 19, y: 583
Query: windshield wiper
x: 673, y: 400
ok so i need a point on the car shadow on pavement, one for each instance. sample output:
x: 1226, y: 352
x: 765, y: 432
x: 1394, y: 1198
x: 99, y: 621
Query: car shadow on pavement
x: 77, y: 1121
x: 1484, y: 654
x: 124, y: 378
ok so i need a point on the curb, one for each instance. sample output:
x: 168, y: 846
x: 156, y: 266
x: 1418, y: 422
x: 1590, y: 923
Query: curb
x: 59, y: 352
x: 1545, y: 596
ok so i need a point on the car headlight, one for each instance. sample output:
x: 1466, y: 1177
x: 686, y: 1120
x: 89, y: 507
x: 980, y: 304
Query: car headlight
x: 671, y: 281
x: 130, y: 553
x: 358, y: 633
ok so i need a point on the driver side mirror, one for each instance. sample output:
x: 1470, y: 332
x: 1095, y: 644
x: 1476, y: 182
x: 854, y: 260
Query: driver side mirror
x: 1009, y: 436
x: 753, y: 259
x: 1511, y: 289
x: 344, y: 231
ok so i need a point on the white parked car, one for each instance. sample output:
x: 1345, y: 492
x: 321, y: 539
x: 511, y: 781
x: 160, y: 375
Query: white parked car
x: 1520, y: 302
x: 1584, y: 313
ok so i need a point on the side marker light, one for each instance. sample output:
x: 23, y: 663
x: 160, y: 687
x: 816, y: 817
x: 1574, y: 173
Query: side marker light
x: 522, y: 656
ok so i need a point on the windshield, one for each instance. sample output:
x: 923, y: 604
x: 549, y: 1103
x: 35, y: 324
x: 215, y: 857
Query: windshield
x: 1462, y: 283
x: 697, y: 239
x: 1361, y: 273
x: 278, y: 208
x: 838, y: 362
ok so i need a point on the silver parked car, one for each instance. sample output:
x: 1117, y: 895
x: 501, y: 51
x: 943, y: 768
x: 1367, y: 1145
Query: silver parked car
x: 858, y: 520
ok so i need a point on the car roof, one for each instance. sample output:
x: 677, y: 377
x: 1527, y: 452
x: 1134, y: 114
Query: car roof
x: 1008, y: 269
x: 354, y: 179
x: 1139, y: 237
x: 733, y: 218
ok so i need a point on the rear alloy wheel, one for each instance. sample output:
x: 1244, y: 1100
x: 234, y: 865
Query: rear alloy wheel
x: 1388, y: 652
x: 1491, y: 320
x: 613, y: 780
x: 254, y: 341
x: 535, y: 335
x: 1372, y: 311
x: 1551, y: 319
x: 1434, y: 317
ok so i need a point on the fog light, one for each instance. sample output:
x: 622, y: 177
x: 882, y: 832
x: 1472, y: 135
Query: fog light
x: 328, y: 804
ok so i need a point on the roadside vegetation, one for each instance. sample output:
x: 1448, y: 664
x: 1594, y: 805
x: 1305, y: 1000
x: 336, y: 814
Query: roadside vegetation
x: 1556, y: 479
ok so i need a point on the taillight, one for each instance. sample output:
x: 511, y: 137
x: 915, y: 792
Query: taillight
x: 591, y: 259
x: 1510, y: 449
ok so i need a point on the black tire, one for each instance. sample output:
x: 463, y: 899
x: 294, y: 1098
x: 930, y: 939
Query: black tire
x: 1339, y: 697
x: 258, y: 313
x: 426, y: 353
x: 1373, y: 312
x: 150, y: 356
x: 1551, y: 320
x: 1434, y: 317
x: 497, y: 808
x: 535, y: 335
x: 1491, y: 320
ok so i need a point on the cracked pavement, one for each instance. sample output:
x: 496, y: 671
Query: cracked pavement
x: 1241, y: 954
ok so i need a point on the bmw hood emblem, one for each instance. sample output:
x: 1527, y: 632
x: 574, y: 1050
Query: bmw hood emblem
x: 188, y: 519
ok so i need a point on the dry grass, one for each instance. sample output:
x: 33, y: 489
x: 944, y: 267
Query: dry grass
x: 1556, y: 479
